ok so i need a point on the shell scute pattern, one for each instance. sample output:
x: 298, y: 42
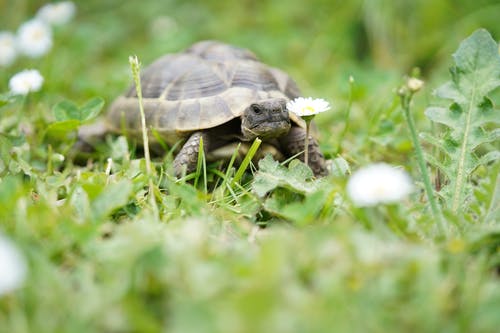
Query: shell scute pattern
x: 200, y: 81
x: 189, y: 112
x: 167, y: 118
x: 254, y: 75
x: 215, y: 107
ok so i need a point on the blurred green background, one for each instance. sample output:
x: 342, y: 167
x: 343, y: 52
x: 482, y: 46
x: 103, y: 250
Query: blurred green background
x: 319, y: 42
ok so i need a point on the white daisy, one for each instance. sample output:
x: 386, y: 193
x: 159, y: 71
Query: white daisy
x: 307, y: 106
x: 12, y: 266
x: 34, y: 38
x: 26, y: 81
x: 58, y: 13
x: 378, y: 183
x: 8, y: 52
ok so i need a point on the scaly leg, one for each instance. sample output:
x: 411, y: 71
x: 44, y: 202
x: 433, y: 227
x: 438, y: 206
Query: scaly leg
x: 187, y: 158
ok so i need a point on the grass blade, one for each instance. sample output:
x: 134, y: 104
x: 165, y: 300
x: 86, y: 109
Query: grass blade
x: 246, y: 161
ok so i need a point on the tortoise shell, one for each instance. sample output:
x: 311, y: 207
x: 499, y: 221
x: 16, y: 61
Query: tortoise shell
x: 204, y: 86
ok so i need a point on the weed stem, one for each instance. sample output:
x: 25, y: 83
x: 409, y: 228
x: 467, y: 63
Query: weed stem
x: 405, y: 103
x: 347, y: 116
x: 135, y: 66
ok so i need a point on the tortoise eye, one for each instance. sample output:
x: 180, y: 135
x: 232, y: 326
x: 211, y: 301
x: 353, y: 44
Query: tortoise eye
x: 256, y: 109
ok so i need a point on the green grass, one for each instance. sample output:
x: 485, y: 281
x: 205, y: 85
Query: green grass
x: 269, y: 249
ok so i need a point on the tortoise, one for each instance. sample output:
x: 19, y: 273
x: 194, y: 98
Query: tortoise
x: 220, y: 94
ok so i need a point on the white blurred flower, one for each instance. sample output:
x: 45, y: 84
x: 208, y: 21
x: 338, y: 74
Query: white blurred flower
x: 57, y: 13
x: 34, y: 38
x: 26, y: 81
x: 414, y: 84
x: 12, y: 266
x: 307, y: 106
x: 8, y: 52
x: 378, y: 183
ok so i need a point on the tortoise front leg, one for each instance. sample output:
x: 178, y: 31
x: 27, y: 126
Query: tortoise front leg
x: 294, y: 143
x: 187, y: 158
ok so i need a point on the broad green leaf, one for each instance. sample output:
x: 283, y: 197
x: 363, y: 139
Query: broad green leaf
x: 291, y: 192
x: 119, y: 148
x: 340, y: 167
x: 301, y: 212
x: 271, y: 174
x: 487, y: 198
x: 489, y: 157
x: 443, y: 116
x: 478, y: 65
x: 79, y: 201
x: 475, y: 74
x: 66, y: 110
x: 299, y: 171
x: 450, y: 91
x: 62, y: 127
x: 264, y: 181
x: 91, y: 109
x: 493, y: 213
x: 262, y: 185
x: 488, y: 114
x: 111, y: 198
x: 437, y: 142
x: 187, y: 198
x: 433, y: 161
x: 493, y: 135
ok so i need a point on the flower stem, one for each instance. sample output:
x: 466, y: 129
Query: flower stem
x: 306, y: 148
x: 405, y: 103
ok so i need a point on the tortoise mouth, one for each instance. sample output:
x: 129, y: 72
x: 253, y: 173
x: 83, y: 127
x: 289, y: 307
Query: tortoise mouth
x: 269, y: 129
x: 272, y: 124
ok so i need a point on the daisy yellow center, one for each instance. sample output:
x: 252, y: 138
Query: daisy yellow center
x: 308, y: 108
x: 26, y: 84
x: 38, y: 34
x: 380, y: 190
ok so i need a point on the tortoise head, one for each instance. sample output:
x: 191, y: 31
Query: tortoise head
x: 265, y: 119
